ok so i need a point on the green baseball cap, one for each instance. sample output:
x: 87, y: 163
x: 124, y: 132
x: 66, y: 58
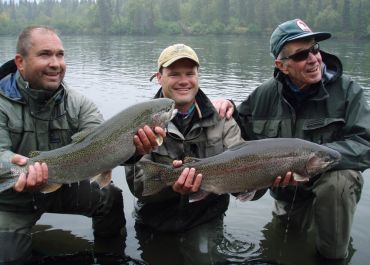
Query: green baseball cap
x: 292, y: 30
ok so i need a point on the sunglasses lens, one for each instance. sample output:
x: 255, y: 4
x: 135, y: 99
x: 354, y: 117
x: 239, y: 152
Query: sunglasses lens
x: 302, y: 55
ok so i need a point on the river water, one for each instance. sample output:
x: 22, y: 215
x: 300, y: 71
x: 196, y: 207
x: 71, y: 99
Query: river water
x: 114, y: 72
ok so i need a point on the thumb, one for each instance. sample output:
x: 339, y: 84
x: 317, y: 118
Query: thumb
x: 19, y: 160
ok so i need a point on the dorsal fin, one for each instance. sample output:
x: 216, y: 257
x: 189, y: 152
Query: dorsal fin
x: 78, y: 137
x: 34, y: 153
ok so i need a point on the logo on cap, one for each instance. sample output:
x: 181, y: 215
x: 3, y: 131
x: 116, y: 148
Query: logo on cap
x: 303, y: 26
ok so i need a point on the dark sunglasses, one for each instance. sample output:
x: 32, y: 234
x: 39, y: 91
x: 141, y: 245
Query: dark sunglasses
x: 302, y: 55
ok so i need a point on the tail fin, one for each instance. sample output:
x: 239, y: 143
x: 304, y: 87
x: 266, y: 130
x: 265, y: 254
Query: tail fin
x: 152, y: 181
x: 7, y: 178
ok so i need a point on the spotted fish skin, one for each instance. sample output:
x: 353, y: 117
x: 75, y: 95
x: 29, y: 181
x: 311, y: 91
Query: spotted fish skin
x: 250, y: 166
x: 96, y: 151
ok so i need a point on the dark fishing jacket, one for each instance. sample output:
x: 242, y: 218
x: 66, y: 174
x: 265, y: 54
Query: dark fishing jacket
x: 33, y: 119
x: 206, y: 136
x: 334, y: 113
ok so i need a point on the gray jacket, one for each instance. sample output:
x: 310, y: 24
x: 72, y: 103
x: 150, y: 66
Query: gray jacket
x: 37, y: 120
x: 207, y: 136
x: 334, y: 113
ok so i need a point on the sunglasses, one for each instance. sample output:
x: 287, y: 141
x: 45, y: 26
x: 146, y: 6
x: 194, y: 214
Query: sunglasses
x: 302, y: 55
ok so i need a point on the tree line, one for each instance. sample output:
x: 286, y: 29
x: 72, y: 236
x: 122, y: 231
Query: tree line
x: 350, y: 18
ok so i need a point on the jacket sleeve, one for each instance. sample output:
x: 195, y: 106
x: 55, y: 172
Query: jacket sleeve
x: 355, y: 147
x: 231, y: 133
x: 5, y: 142
x: 89, y: 115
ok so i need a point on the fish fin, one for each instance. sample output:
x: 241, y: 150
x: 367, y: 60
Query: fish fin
x: 159, y: 139
x: 198, y: 196
x: 237, y: 146
x: 151, y: 171
x: 189, y: 159
x: 79, y: 136
x: 34, y: 153
x: 299, y: 178
x: 51, y: 187
x: 103, y: 179
x: 246, y: 196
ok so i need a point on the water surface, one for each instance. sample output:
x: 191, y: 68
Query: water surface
x: 114, y: 72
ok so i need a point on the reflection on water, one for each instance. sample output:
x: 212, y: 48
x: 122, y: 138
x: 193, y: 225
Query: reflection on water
x: 114, y: 72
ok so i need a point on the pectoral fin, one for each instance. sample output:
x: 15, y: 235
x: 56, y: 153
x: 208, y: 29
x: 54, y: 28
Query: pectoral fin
x: 103, y: 179
x: 246, y: 196
x: 48, y: 188
x: 159, y: 139
x: 198, y: 196
x: 299, y: 178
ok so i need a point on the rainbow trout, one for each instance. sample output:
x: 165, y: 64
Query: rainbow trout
x: 250, y: 166
x: 97, y: 150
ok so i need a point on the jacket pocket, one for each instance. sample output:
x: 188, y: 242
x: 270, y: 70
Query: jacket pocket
x: 266, y: 128
x: 16, y: 132
x: 323, y: 130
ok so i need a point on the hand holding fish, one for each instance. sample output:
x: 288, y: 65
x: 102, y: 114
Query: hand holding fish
x: 288, y: 180
x: 146, y: 139
x: 188, y: 182
x: 36, y: 177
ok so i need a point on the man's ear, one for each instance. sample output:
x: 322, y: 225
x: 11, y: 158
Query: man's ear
x: 19, y: 62
x: 159, y: 77
x: 281, y: 66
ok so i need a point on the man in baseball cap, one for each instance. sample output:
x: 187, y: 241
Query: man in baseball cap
x: 173, y: 53
x: 196, y: 131
x: 293, y: 30
x: 308, y: 97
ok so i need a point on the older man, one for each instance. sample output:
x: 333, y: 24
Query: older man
x: 39, y: 112
x: 309, y: 97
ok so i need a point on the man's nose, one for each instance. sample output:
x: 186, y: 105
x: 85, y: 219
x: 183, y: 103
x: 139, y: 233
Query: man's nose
x: 54, y: 61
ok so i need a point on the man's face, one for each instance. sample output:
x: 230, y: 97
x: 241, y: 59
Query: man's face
x: 301, y: 73
x: 44, y: 65
x: 179, y: 82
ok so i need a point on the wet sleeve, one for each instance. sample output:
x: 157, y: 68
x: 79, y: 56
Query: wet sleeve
x: 355, y: 146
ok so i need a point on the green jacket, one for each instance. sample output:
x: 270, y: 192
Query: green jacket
x: 334, y: 113
x: 37, y: 120
x: 207, y: 136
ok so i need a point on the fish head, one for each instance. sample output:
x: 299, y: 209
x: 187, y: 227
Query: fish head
x: 322, y: 160
x: 163, y: 110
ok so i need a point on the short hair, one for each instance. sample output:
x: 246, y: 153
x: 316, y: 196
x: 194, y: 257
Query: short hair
x: 24, y: 42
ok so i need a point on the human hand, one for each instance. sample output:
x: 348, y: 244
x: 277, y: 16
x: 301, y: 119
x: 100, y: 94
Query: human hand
x: 188, y: 182
x: 287, y: 181
x: 36, y: 177
x: 146, y: 139
x: 224, y: 108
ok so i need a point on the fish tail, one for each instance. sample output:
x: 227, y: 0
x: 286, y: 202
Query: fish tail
x: 7, y: 177
x: 152, y: 181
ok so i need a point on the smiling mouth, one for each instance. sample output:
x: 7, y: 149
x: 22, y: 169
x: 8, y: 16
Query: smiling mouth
x: 313, y: 70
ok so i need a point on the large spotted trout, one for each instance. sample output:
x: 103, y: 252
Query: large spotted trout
x: 97, y: 150
x: 250, y: 166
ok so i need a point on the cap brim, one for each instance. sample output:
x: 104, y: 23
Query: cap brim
x: 174, y: 59
x: 318, y: 36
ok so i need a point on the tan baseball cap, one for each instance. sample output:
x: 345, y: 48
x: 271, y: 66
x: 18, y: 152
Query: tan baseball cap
x: 173, y: 53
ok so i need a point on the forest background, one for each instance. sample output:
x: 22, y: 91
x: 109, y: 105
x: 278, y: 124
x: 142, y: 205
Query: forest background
x: 343, y: 18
